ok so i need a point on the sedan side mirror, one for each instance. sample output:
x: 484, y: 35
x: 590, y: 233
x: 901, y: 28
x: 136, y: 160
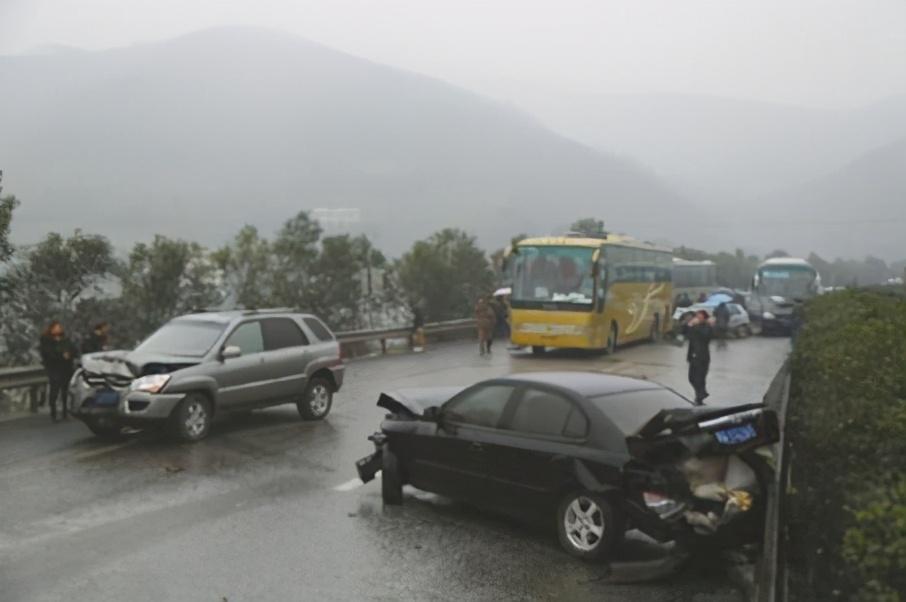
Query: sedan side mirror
x: 230, y: 352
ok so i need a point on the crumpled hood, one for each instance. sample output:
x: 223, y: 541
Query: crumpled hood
x: 131, y: 364
x: 416, y: 400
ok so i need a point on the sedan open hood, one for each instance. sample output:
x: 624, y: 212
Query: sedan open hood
x: 413, y: 402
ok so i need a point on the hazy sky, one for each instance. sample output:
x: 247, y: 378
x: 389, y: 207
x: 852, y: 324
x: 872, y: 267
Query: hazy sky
x: 833, y: 53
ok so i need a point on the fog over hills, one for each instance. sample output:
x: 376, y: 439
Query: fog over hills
x: 746, y: 163
x: 861, y: 205
x: 196, y: 136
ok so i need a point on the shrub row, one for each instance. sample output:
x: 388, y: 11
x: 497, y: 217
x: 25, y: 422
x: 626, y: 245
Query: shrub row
x: 847, y: 429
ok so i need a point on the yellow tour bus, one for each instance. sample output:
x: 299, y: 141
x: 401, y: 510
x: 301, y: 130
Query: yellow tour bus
x: 589, y: 293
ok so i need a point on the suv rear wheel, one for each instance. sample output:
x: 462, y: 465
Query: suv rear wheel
x: 191, y: 420
x: 316, y: 400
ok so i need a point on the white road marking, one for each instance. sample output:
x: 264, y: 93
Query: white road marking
x: 353, y: 483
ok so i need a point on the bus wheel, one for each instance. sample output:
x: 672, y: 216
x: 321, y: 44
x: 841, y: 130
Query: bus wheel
x: 538, y: 350
x: 612, y: 339
x: 655, y: 334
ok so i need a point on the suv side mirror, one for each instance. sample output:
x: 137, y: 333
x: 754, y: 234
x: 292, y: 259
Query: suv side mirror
x: 230, y: 352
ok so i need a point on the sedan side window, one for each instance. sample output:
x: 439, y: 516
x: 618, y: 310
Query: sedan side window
x: 480, y: 407
x: 542, y: 412
x: 248, y: 338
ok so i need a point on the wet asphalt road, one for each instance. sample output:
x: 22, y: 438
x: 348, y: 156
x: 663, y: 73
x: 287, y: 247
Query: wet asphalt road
x: 265, y: 509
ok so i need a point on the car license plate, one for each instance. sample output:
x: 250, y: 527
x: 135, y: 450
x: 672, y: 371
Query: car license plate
x: 106, y: 398
x: 736, y: 435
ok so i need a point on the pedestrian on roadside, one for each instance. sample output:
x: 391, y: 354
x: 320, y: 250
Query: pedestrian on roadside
x: 485, y: 319
x: 97, y: 339
x: 58, y: 355
x: 502, y: 326
x: 722, y: 321
x: 699, y: 330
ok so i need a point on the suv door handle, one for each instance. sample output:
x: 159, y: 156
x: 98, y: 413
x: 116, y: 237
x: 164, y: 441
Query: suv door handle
x: 475, y: 446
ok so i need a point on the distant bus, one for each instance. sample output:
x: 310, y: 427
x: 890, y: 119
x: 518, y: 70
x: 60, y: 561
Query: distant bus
x: 588, y: 293
x: 776, y: 287
x: 693, y: 278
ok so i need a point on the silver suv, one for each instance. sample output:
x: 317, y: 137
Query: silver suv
x: 200, y: 364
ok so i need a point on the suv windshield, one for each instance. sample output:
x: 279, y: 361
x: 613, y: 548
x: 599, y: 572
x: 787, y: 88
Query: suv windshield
x: 189, y: 338
x: 554, y: 274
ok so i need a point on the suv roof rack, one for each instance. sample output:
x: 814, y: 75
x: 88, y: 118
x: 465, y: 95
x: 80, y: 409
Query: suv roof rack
x: 267, y: 310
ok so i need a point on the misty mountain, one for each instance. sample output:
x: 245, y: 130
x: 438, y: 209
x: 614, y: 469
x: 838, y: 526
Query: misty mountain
x: 196, y: 136
x: 855, y: 210
x: 716, y: 149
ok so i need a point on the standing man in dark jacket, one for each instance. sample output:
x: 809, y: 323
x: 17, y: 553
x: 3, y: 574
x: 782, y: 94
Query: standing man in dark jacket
x: 97, y: 339
x: 58, y: 356
x: 699, y: 330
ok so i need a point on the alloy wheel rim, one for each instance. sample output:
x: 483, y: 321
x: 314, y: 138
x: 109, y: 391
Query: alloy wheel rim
x: 197, y: 419
x: 320, y: 399
x: 584, y: 523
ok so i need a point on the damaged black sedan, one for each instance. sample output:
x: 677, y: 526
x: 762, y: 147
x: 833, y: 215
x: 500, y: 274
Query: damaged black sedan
x: 592, y: 454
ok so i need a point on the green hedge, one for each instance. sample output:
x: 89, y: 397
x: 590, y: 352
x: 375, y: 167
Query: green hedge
x: 847, y: 427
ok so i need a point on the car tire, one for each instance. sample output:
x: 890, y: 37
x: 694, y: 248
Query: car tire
x: 104, y: 431
x: 316, y: 400
x: 589, y: 525
x: 391, y: 477
x: 538, y: 350
x: 192, y: 418
x: 612, y: 339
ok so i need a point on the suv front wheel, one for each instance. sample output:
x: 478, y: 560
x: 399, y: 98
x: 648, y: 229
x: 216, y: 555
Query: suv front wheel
x: 191, y: 420
x: 316, y: 400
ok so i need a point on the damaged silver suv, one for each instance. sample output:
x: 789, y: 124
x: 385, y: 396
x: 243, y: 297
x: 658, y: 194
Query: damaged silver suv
x: 200, y: 364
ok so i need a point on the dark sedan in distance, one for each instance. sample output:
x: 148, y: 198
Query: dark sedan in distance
x: 591, y: 454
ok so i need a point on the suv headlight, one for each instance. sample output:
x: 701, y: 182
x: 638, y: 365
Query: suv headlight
x: 767, y: 315
x: 152, y: 383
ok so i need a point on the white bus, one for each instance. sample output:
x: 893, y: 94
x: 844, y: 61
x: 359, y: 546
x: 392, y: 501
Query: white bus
x: 693, y: 278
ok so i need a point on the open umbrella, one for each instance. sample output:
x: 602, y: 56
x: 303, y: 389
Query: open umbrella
x: 717, y: 299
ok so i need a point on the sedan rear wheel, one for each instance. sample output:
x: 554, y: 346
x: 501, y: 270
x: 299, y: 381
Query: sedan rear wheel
x: 588, y: 525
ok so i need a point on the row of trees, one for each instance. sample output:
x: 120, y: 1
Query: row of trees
x: 736, y: 269
x: 80, y: 280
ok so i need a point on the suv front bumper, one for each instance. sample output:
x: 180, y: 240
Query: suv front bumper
x: 129, y: 407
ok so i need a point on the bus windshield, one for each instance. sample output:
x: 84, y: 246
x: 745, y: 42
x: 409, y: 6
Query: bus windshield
x: 788, y: 281
x: 553, y: 275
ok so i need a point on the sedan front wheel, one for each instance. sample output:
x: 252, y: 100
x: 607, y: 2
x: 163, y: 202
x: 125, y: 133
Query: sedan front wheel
x: 588, y: 525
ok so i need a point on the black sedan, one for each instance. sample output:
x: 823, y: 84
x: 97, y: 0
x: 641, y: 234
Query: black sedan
x: 593, y: 454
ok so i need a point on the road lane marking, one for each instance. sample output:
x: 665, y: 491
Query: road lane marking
x: 353, y: 483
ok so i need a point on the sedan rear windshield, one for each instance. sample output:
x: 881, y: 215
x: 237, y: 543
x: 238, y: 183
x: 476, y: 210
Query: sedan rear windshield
x: 630, y: 410
x: 189, y: 338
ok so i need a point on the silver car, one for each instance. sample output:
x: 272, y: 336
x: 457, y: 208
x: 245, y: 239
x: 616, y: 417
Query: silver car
x: 201, y: 364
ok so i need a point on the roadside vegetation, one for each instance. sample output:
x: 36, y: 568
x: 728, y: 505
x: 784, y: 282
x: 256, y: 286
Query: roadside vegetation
x: 847, y: 510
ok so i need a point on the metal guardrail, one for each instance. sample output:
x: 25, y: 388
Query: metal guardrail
x: 770, y: 577
x: 34, y: 377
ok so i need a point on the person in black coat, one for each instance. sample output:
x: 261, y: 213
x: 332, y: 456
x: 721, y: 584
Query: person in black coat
x: 699, y: 330
x: 97, y: 339
x: 58, y: 356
